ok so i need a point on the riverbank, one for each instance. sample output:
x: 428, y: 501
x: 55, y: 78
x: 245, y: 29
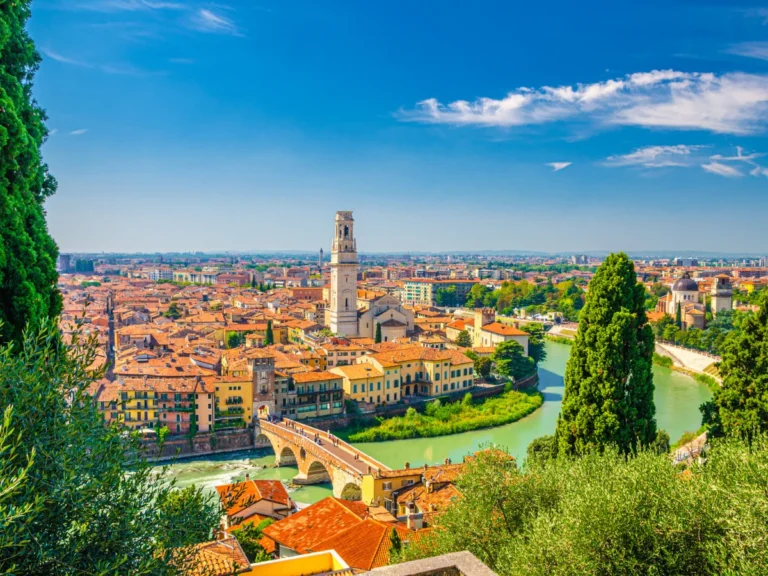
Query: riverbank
x: 442, y: 419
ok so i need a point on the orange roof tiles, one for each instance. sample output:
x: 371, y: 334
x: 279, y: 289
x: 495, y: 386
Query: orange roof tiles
x: 307, y: 528
x: 366, y: 545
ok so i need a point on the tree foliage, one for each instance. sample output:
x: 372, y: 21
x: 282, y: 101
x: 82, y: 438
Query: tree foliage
x: 740, y: 406
x: 269, y: 337
x: 509, y: 360
x: 606, y: 514
x: 377, y: 339
x: 608, y: 380
x: 536, y: 346
x: 249, y: 537
x: 464, y: 340
x: 93, y: 504
x: 28, y: 254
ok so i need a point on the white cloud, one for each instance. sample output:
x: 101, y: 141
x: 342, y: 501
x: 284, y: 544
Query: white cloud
x: 735, y: 103
x: 750, y: 50
x: 740, y: 157
x: 52, y: 131
x: 557, y: 166
x: 64, y: 59
x: 759, y: 171
x: 78, y: 132
x: 655, y: 156
x: 722, y: 170
x: 208, y: 21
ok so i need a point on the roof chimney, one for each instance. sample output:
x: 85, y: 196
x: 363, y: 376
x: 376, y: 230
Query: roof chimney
x: 407, y: 465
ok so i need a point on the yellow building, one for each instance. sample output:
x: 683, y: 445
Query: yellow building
x: 234, y: 401
x: 377, y: 489
x: 366, y: 383
x: 318, y: 394
x: 326, y: 562
x: 417, y: 370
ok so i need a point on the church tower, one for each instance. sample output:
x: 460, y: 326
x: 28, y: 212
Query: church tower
x: 343, y: 316
x: 722, y: 294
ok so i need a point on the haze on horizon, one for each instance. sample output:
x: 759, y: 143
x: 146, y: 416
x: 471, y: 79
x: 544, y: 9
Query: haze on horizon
x: 187, y: 126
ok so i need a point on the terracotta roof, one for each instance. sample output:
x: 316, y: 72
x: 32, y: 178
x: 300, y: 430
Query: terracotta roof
x: 218, y: 558
x: 503, y: 329
x: 304, y: 530
x: 241, y: 495
x: 366, y: 545
x: 357, y: 371
x: 303, y: 377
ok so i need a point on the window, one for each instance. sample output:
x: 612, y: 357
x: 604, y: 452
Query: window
x: 378, y: 385
x: 387, y: 384
x: 354, y: 389
x: 387, y: 486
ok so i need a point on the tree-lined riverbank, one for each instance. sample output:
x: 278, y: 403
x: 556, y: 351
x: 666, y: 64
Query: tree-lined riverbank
x: 441, y: 419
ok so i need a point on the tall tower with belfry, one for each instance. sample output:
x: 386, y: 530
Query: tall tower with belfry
x: 343, y: 304
x: 320, y: 260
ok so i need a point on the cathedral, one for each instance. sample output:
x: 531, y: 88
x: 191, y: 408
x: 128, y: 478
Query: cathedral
x: 356, y: 313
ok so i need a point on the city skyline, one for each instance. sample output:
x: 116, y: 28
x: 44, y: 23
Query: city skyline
x: 191, y: 126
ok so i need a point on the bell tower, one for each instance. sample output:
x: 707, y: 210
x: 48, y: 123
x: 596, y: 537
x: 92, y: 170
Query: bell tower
x: 343, y: 304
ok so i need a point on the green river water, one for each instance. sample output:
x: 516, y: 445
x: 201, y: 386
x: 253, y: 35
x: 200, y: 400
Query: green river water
x: 677, y: 411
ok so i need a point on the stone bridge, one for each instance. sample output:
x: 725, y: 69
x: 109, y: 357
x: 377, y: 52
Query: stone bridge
x: 332, y: 461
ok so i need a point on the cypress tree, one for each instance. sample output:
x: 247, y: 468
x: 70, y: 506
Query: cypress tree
x: 377, y: 339
x: 28, y: 254
x: 608, y: 381
x: 269, y: 337
x: 678, y: 316
x: 740, y: 406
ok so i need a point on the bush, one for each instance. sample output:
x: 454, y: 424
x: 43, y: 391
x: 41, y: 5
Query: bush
x: 660, y: 360
x: 608, y: 514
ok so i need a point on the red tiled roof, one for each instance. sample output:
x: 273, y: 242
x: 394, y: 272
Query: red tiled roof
x: 304, y: 530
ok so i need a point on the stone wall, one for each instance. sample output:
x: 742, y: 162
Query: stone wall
x: 203, y: 443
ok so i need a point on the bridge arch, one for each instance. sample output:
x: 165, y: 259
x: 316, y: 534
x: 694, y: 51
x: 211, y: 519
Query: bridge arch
x: 264, y: 441
x: 351, y: 491
x: 286, y: 456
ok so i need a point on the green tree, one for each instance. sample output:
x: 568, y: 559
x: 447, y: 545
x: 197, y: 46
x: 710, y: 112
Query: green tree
x: 660, y: 326
x: 483, y: 366
x: 377, y: 339
x: 446, y: 297
x: 396, y: 544
x: 86, y: 514
x: 536, y: 345
x: 510, y: 360
x: 541, y: 450
x: 269, y: 337
x: 463, y: 339
x: 249, y: 537
x: 28, y: 254
x: 173, y: 311
x: 235, y: 339
x: 678, y: 316
x: 740, y: 405
x: 608, y: 380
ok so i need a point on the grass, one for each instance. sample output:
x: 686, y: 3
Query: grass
x: 713, y: 384
x: 660, y: 360
x: 442, y: 419
x: 568, y: 332
x: 560, y: 339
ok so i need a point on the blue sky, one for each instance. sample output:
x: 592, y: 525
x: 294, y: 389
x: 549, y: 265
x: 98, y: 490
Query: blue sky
x: 554, y: 126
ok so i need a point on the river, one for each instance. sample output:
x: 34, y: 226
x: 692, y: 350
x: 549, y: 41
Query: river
x: 677, y: 399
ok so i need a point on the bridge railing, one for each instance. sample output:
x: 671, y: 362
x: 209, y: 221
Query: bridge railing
x: 311, y: 432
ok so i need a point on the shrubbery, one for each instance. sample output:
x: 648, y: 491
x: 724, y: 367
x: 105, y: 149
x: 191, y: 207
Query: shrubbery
x: 442, y: 418
x: 610, y: 514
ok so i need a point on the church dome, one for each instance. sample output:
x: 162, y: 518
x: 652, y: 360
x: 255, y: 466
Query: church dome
x: 685, y: 284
